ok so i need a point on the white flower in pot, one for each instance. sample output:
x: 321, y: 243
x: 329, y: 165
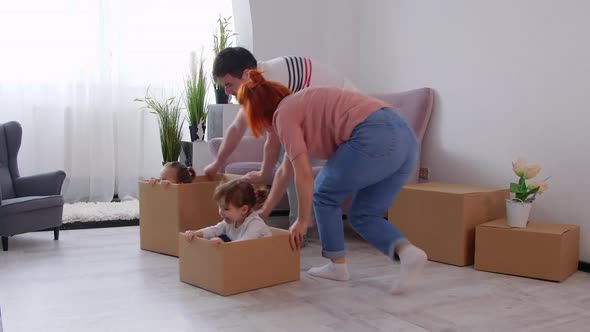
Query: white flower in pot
x: 519, y: 206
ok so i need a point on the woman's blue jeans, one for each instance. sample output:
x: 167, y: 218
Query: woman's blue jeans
x: 372, y: 166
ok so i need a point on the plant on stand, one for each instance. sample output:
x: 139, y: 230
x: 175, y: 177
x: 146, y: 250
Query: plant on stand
x: 170, y: 121
x: 518, y: 207
x: 196, y: 97
x: 221, y: 40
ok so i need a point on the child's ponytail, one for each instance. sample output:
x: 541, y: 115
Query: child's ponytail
x: 192, y: 173
x: 261, y: 194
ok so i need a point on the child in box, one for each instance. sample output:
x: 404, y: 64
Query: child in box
x: 237, y: 200
x: 175, y: 172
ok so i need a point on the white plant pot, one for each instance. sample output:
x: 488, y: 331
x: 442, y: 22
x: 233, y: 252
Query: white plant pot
x: 518, y: 213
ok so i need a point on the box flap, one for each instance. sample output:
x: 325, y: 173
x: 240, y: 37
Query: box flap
x: 449, y: 188
x: 533, y: 227
x: 223, y: 177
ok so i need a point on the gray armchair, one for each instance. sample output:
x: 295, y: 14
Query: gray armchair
x: 29, y: 203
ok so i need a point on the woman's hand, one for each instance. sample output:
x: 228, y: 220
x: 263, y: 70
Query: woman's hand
x: 298, y: 231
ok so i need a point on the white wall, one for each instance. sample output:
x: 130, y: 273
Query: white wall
x: 243, y: 23
x: 327, y: 30
x: 512, y: 79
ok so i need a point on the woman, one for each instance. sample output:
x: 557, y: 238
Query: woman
x: 371, y: 153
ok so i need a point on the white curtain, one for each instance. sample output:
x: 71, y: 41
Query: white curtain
x: 70, y: 70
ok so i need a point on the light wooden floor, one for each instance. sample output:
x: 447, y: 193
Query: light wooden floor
x: 99, y: 280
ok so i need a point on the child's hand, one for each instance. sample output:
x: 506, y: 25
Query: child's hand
x: 153, y: 182
x: 189, y: 235
x: 165, y: 183
x: 216, y: 241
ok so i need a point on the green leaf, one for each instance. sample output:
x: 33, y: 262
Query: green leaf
x: 517, y: 188
x: 196, y: 94
x: 533, y: 191
x: 170, y: 122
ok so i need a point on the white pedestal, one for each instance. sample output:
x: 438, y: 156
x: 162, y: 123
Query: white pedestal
x: 219, y: 118
x: 201, y: 156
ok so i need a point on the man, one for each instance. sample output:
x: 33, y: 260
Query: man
x: 230, y: 69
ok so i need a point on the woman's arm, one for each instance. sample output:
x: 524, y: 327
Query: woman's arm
x: 304, y: 186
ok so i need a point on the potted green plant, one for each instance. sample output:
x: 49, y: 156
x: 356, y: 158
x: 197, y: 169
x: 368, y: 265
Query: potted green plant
x: 518, y: 207
x: 221, y: 40
x: 170, y: 122
x: 195, y: 92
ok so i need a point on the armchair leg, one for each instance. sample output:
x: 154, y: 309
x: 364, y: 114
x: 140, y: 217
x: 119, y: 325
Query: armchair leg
x: 56, y: 233
x: 5, y: 243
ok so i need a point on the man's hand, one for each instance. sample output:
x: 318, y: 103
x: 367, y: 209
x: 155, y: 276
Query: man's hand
x: 211, y: 170
x: 255, y: 177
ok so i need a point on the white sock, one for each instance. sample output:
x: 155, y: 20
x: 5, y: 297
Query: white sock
x: 338, y: 272
x: 412, y: 260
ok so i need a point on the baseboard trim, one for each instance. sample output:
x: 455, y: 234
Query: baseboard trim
x: 99, y: 224
x: 584, y: 267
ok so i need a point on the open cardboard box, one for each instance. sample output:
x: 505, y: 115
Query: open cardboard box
x: 241, y: 266
x: 166, y: 210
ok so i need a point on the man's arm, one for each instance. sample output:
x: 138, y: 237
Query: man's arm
x: 232, y: 138
x: 272, y: 148
x: 279, y: 187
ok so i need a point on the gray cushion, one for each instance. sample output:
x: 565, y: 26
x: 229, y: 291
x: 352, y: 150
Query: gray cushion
x: 243, y: 167
x: 24, y: 204
x: 6, y: 187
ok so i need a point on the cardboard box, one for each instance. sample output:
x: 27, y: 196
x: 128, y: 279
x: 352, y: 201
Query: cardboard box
x: 241, y: 266
x: 165, y: 211
x: 441, y: 218
x: 541, y: 250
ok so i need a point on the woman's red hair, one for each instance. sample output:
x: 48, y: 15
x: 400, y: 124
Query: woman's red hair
x: 260, y: 99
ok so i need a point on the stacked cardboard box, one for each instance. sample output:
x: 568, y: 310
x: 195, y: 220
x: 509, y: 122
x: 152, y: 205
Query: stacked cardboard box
x: 541, y: 250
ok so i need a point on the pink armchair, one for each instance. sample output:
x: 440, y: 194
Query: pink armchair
x: 414, y: 105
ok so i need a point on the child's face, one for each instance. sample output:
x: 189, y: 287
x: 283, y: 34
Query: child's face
x: 168, y: 174
x: 232, y: 214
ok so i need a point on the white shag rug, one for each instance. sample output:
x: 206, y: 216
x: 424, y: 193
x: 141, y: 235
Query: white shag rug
x: 84, y: 212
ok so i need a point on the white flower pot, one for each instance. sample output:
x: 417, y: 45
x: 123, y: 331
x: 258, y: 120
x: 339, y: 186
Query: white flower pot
x: 518, y: 213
